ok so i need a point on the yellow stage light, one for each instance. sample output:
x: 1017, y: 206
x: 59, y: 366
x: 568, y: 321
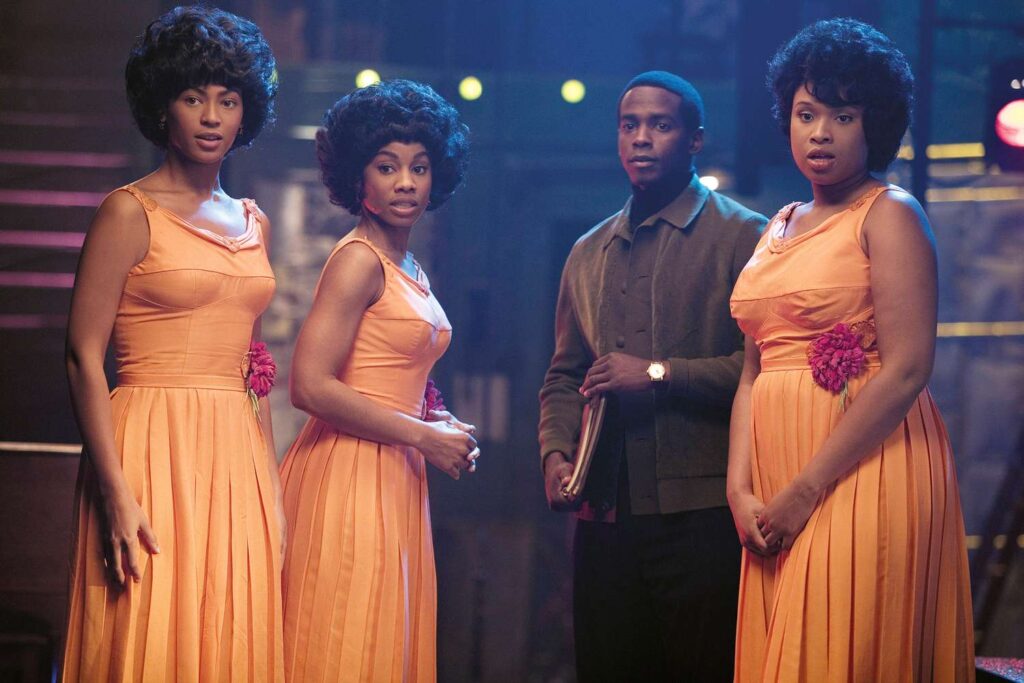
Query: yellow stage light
x: 470, y: 88
x: 573, y: 91
x: 367, y: 77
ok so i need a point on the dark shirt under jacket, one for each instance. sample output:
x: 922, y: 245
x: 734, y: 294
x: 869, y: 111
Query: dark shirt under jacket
x: 686, y: 259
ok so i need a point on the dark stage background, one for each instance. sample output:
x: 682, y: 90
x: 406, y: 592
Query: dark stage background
x: 542, y: 172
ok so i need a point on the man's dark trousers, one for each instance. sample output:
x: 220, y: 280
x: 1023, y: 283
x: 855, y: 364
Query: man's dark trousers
x: 655, y: 597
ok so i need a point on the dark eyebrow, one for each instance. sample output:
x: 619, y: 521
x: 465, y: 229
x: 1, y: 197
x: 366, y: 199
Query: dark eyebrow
x: 388, y: 153
x: 202, y: 90
x: 655, y: 116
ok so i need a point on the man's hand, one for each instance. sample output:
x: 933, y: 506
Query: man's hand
x: 557, y: 472
x: 618, y: 373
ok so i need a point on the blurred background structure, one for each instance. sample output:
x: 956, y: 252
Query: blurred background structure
x: 537, y: 81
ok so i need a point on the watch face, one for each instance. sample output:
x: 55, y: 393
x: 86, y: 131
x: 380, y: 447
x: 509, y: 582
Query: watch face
x: 656, y: 371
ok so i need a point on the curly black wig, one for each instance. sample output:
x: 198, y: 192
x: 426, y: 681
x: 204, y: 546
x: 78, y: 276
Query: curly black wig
x: 358, y: 125
x: 197, y: 46
x: 847, y: 62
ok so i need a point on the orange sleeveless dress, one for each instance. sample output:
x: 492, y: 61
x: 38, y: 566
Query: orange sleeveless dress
x: 208, y: 607
x: 875, y: 588
x: 360, y: 590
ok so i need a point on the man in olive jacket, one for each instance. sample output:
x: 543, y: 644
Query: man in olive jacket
x: 643, y: 317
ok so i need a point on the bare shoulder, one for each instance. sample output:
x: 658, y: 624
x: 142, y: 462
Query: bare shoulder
x: 896, y: 218
x: 120, y: 224
x: 354, y: 272
x: 121, y: 208
x: 896, y: 209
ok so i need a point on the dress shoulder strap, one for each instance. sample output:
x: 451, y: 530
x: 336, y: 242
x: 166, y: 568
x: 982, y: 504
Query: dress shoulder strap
x: 148, y: 203
x: 348, y: 240
x: 863, y: 205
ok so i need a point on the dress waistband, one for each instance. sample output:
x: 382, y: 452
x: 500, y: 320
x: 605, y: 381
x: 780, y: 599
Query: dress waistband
x: 140, y: 379
x: 871, y: 360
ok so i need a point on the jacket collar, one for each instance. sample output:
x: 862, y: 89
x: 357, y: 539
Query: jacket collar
x: 679, y: 213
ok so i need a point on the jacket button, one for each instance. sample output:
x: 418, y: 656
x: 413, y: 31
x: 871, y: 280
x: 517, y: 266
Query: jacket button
x: 605, y: 506
x: 620, y: 341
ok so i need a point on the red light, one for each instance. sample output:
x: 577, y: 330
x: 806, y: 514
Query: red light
x: 1010, y: 123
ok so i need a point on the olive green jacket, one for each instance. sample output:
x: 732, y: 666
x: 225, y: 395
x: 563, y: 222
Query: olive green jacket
x: 692, y: 330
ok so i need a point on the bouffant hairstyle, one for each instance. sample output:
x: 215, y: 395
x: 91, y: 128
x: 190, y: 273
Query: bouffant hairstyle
x: 197, y: 46
x: 358, y: 125
x: 847, y: 62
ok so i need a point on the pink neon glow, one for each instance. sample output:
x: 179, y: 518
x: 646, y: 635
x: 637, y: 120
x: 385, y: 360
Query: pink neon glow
x: 40, y: 238
x: 77, y: 159
x: 50, y: 198
x: 32, y: 322
x: 1010, y: 123
x: 23, y: 279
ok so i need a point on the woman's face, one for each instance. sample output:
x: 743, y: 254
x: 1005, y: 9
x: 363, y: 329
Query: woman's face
x: 828, y: 143
x: 396, y: 184
x: 203, y: 122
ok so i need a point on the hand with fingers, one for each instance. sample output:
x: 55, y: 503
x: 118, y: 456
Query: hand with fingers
x: 447, y: 417
x: 125, y: 529
x: 746, y: 509
x: 449, y: 448
x: 557, y: 472
x: 617, y: 373
x: 782, y: 519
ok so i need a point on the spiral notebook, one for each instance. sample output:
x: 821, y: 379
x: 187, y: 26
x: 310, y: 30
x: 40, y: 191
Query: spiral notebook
x: 590, y: 431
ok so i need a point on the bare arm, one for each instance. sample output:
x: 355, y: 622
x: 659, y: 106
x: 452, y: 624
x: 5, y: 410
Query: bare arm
x: 745, y: 505
x: 352, y: 281
x: 897, y: 239
x: 118, y: 238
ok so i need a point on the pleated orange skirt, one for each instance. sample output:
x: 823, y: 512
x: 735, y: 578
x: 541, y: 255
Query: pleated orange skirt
x: 876, y: 586
x: 360, y: 590
x: 208, y: 607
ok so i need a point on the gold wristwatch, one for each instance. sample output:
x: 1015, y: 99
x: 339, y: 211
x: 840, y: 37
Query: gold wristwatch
x: 656, y: 371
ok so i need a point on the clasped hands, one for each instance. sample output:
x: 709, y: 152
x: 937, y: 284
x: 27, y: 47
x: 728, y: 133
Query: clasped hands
x: 768, y: 529
x: 450, y: 445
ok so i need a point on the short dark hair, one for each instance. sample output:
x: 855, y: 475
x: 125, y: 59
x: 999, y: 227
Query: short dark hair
x: 196, y: 46
x: 358, y: 125
x: 691, y: 109
x: 848, y: 62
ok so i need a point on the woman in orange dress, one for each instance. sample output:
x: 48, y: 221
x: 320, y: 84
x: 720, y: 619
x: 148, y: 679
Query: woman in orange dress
x: 359, y: 585
x: 177, y: 557
x: 841, y: 479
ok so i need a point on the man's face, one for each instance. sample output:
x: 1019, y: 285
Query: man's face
x: 653, y: 142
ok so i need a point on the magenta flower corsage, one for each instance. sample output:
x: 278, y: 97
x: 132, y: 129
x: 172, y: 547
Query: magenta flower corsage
x: 837, y: 356
x: 260, y: 373
x: 432, y: 399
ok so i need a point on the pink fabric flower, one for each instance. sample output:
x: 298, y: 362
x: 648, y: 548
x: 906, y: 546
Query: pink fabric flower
x: 835, y: 358
x: 262, y: 370
x: 432, y: 399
